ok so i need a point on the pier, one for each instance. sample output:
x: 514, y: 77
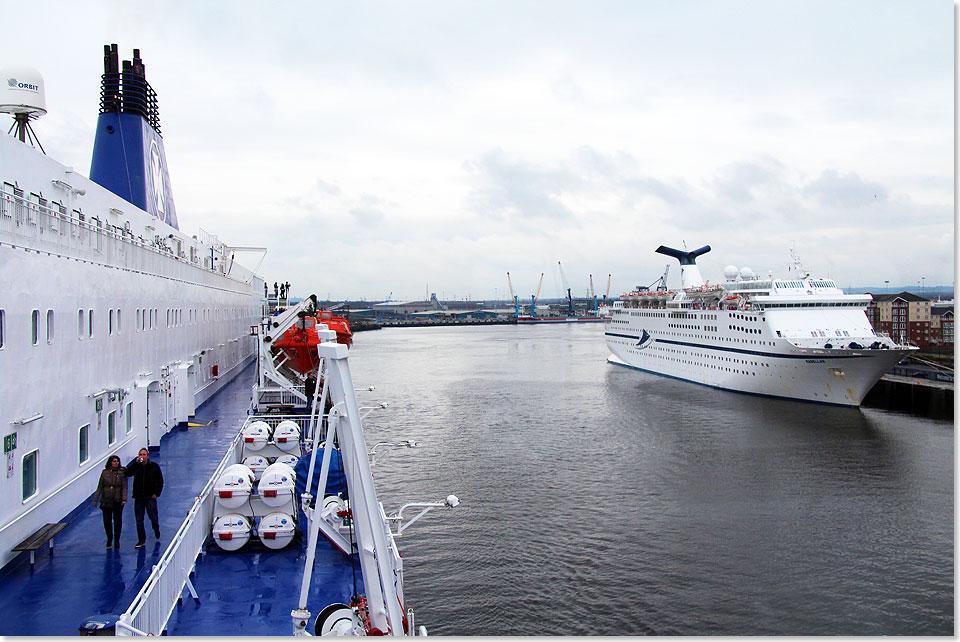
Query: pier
x: 923, y: 397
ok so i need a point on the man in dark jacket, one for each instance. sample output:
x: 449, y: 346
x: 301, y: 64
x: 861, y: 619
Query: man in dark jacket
x: 147, y: 486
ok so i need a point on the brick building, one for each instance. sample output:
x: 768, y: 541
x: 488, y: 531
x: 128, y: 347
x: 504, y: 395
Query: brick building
x: 908, y: 318
x: 905, y: 317
x: 941, y: 324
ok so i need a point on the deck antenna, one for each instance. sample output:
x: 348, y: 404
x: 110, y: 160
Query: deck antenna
x: 796, y: 265
x: 23, y: 96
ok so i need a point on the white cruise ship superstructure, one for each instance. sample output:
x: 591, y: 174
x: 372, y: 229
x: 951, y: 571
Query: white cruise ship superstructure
x: 797, y: 337
x: 114, y: 324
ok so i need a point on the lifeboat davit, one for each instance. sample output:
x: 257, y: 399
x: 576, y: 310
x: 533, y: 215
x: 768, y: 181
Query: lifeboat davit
x: 299, y: 343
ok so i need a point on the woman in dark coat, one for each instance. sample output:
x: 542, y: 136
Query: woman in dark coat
x: 112, y: 493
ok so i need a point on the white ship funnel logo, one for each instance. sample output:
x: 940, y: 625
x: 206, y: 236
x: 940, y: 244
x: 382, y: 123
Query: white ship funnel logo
x: 156, y: 170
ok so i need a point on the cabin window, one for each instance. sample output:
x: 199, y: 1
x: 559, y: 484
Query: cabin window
x: 80, y: 318
x: 84, y: 443
x: 34, y: 326
x: 49, y: 326
x: 110, y: 323
x: 3, y: 323
x: 118, y: 320
x: 28, y: 467
x: 90, y: 325
x: 138, y: 319
x: 129, y: 417
x: 112, y: 427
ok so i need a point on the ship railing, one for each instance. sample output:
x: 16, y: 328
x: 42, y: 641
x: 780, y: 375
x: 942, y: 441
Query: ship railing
x: 39, y: 224
x: 279, y: 397
x: 150, y: 610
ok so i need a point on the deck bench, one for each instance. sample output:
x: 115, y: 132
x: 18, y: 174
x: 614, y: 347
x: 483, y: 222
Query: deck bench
x: 41, y: 536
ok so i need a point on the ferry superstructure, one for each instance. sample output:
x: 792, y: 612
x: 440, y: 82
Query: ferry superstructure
x: 797, y: 337
x: 114, y: 324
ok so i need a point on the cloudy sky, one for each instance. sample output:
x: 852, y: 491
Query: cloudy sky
x: 379, y: 147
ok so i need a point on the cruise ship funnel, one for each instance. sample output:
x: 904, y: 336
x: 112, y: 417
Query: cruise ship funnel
x: 689, y: 272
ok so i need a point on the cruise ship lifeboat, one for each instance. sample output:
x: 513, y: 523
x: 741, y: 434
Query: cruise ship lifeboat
x: 299, y: 343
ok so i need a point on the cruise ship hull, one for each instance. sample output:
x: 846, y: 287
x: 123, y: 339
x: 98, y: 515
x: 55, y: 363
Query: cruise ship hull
x: 837, y: 377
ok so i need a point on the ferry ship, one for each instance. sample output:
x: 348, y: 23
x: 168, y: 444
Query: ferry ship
x: 114, y: 324
x: 165, y: 322
x: 797, y: 338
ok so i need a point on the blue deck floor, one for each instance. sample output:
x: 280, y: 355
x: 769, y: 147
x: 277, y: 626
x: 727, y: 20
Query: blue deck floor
x: 247, y: 592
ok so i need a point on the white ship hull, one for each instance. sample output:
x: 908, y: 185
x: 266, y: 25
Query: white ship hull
x: 170, y: 315
x: 841, y: 377
x: 797, y: 338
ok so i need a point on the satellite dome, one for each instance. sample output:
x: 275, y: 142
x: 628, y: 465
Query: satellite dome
x: 746, y: 273
x: 730, y: 272
x: 22, y: 92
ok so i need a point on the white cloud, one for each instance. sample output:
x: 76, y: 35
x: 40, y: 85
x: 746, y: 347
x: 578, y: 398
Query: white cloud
x: 376, y: 147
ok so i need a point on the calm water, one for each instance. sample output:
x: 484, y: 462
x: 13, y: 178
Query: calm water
x: 602, y: 500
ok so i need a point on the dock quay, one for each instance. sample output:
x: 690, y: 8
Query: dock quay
x: 420, y: 323
x: 924, y: 397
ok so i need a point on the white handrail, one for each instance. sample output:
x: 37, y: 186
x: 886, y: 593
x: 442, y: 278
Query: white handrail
x: 151, y: 608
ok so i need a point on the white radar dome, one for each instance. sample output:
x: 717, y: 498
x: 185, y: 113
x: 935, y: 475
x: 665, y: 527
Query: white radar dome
x: 22, y: 92
x: 730, y: 272
x: 746, y: 273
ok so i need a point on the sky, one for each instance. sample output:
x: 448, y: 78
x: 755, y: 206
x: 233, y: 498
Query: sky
x: 433, y: 146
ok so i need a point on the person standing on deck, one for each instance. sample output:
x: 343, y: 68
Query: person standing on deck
x: 112, y: 493
x: 309, y: 389
x: 147, y: 486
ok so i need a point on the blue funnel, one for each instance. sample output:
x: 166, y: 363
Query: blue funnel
x: 128, y: 155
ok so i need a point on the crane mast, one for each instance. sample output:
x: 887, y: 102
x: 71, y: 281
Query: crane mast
x: 516, y: 301
x: 566, y: 285
x: 533, y: 299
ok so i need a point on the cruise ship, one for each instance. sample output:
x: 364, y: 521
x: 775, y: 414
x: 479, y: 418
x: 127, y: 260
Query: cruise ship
x: 114, y: 324
x: 797, y: 337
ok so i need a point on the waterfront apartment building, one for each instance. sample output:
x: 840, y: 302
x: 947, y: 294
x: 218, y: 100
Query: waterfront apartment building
x: 907, y: 317
x: 941, y: 323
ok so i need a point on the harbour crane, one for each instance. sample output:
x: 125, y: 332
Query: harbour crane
x: 606, y: 295
x: 593, y: 295
x: 566, y: 286
x: 516, y: 301
x: 533, y: 299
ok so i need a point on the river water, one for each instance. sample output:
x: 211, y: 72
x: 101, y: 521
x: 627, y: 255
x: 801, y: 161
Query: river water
x: 599, y: 500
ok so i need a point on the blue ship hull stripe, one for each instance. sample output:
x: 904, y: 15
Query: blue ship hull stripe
x: 758, y: 353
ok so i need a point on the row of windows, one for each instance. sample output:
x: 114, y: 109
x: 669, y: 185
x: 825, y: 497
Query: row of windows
x: 30, y: 462
x: 84, y: 433
x: 147, y: 319
x: 764, y: 306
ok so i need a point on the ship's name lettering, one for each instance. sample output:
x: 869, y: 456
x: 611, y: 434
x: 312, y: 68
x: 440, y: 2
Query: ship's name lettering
x: 815, y: 361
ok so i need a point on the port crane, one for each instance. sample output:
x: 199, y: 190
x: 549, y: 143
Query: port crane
x: 566, y: 286
x: 533, y: 299
x: 661, y: 283
x: 516, y: 300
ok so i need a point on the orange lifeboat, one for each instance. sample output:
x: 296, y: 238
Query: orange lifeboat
x: 299, y: 343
